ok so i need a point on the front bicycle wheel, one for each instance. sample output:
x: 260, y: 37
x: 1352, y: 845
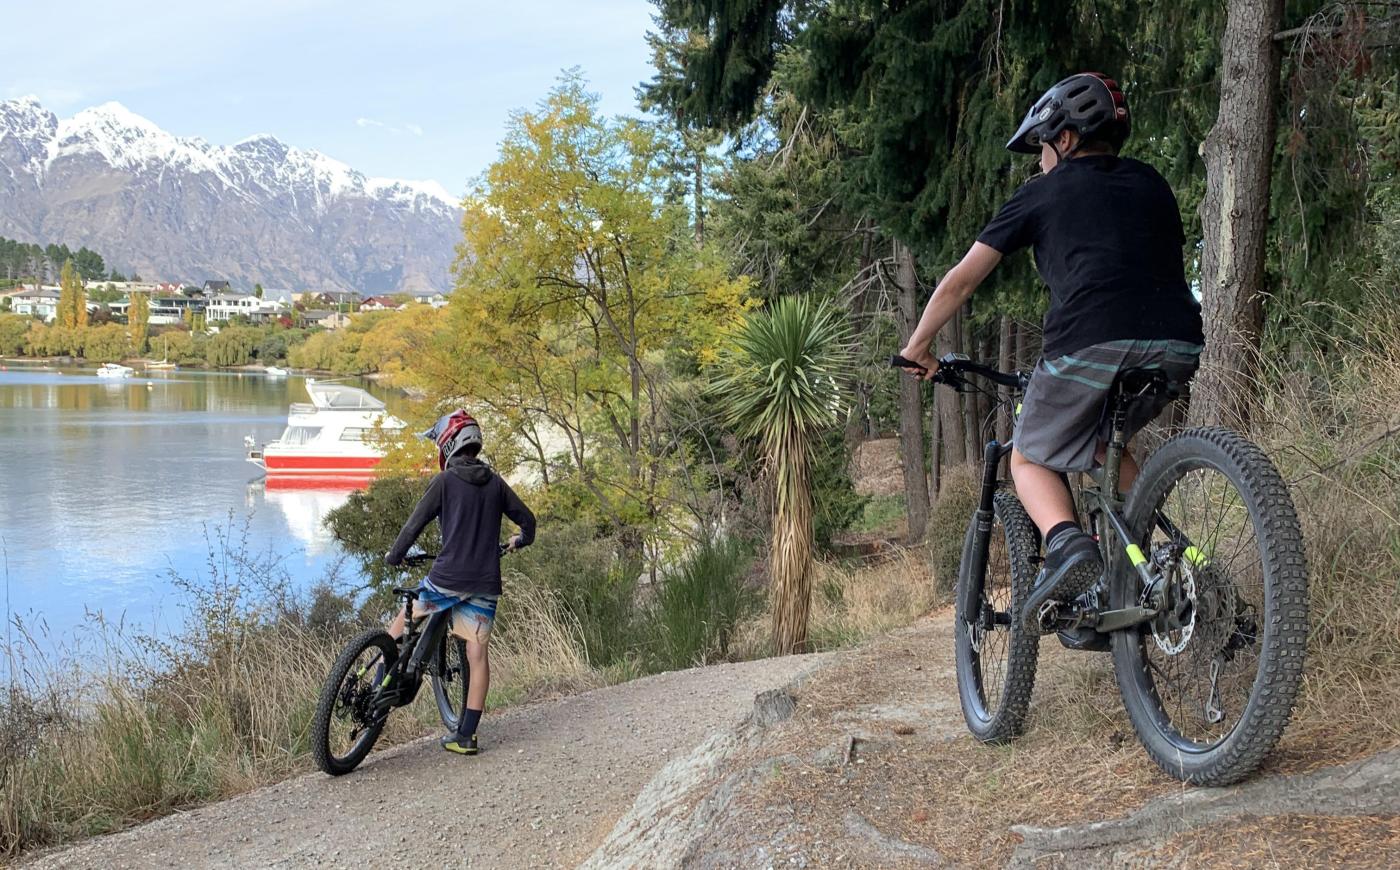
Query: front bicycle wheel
x: 451, y: 678
x: 1210, y: 683
x: 349, y: 716
x: 996, y: 655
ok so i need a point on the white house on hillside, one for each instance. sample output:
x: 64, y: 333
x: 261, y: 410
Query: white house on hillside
x: 36, y: 302
x: 226, y: 306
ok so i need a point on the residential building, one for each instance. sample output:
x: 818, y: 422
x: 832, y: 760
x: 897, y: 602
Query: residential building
x: 335, y: 298
x: 216, y: 287
x: 226, y: 306
x: 326, y: 319
x: 381, y: 303
x: 280, y: 295
x: 36, y: 302
x: 430, y: 297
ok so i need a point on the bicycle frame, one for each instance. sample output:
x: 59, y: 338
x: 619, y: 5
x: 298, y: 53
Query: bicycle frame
x: 1115, y: 540
x: 421, y: 636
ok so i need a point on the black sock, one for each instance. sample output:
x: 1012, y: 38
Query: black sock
x: 467, y: 726
x: 1052, y: 536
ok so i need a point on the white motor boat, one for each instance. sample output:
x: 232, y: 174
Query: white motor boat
x: 275, y: 372
x: 113, y: 370
x: 337, y: 436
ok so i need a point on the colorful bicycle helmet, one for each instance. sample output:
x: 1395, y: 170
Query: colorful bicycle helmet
x: 457, y: 432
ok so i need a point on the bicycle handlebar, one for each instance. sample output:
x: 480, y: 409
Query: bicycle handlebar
x: 953, y: 366
x: 419, y: 559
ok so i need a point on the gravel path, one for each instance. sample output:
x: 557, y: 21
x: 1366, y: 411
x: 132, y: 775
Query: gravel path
x: 552, y: 780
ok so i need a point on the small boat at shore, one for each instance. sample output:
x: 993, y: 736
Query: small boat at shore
x: 334, y: 438
x: 275, y: 372
x: 164, y: 362
x: 114, y: 370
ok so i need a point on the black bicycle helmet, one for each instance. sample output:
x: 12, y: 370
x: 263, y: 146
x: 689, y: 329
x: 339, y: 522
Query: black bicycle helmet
x: 1091, y: 104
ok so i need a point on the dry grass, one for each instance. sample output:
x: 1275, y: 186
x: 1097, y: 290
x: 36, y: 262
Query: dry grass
x: 123, y: 727
x: 1330, y: 425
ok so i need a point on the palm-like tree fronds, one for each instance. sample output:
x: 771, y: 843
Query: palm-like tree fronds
x: 780, y: 386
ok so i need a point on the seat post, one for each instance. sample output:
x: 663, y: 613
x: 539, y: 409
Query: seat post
x: 1113, y: 455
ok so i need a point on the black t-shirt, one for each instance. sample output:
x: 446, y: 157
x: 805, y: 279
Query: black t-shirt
x: 1107, y: 238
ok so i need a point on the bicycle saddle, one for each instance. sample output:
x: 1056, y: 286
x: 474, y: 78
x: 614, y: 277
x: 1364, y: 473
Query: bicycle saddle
x: 1136, y: 382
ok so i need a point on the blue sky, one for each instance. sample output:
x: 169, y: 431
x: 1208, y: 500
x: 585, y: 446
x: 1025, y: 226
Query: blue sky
x: 420, y: 89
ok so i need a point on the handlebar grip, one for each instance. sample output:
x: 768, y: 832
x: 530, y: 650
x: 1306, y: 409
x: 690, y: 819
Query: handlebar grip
x: 899, y: 362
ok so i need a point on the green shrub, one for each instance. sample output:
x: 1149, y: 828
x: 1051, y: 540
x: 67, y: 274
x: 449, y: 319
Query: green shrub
x: 957, y: 499
x: 697, y: 609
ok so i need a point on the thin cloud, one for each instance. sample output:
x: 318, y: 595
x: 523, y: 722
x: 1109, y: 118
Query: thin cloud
x: 412, y: 129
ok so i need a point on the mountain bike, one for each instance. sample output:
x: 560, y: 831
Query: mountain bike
x: 374, y: 674
x: 1204, y: 593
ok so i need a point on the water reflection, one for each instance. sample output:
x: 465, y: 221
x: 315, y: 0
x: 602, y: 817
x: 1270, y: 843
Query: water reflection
x: 106, y: 487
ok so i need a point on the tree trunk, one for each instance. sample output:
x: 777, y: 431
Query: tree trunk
x: 699, y: 196
x: 1235, y: 213
x: 968, y: 341
x: 858, y: 417
x: 1006, y: 344
x: 790, y: 561
x: 911, y: 405
x: 950, y: 428
x: 935, y: 458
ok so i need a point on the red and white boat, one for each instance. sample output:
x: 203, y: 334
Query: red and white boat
x: 336, y: 438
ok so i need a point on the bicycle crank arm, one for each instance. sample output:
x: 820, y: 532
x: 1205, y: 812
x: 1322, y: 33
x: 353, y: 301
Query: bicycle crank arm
x: 1117, y: 620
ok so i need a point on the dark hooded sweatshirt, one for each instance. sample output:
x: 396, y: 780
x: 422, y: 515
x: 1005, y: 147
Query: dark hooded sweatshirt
x: 469, y: 499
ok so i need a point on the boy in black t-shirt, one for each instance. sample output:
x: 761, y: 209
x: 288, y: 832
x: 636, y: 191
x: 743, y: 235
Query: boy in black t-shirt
x: 1107, y: 237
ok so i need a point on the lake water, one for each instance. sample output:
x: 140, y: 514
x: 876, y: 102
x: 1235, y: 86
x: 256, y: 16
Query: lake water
x: 108, y: 486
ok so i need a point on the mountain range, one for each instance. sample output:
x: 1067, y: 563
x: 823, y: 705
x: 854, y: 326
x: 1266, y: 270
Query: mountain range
x: 181, y: 209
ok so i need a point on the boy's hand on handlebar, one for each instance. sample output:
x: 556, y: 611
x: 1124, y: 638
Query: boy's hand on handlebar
x: 921, y: 358
x: 390, y: 562
x: 513, y: 544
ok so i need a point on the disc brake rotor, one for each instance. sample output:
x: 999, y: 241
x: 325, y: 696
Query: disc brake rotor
x: 1171, y: 631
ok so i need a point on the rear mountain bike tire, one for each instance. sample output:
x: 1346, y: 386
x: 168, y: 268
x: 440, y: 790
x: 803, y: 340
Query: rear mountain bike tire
x: 996, y: 668
x: 331, y: 706
x: 1247, y: 613
x: 451, y: 679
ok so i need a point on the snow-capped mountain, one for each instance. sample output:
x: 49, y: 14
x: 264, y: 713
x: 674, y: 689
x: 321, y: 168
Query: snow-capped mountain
x: 173, y: 208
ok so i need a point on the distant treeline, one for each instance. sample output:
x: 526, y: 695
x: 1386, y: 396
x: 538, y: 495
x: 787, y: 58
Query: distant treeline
x: 31, y: 261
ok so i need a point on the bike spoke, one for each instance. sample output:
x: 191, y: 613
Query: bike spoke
x: 1204, y: 684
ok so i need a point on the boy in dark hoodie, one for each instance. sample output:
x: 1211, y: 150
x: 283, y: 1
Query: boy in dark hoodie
x: 469, y: 500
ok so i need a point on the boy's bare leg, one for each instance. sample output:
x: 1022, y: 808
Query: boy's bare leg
x: 1127, y: 468
x: 1042, y: 492
x: 480, y: 662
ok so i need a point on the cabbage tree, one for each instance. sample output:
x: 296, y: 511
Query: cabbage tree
x: 780, y: 386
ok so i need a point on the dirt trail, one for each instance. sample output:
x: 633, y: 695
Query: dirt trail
x: 850, y: 759
x: 868, y: 764
x: 552, y: 781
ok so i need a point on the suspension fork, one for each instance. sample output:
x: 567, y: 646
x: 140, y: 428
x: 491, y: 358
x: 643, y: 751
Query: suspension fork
x: 969, y: 604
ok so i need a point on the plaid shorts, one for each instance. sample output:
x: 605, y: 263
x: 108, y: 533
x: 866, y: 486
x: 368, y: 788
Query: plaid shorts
x: 472, y: 615
x: 1063, y: 417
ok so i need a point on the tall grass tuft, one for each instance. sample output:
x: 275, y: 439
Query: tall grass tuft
x: 698, y: 606
x: 1332, y: 423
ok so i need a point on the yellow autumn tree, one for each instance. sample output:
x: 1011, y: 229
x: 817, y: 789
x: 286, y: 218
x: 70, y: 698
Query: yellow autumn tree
x: 581, y: 300
x: 72, y: 298
x: 138, y: 320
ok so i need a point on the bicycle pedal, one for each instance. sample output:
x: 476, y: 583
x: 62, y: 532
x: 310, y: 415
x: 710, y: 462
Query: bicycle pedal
x: 1048, y: 615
